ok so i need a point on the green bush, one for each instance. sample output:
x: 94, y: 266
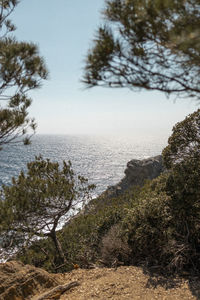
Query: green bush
x: 82, y: 237
x: 147, y: 225
x: 161, y: 234
x: 182, y: 158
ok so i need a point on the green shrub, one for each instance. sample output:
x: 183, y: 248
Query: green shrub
x: 182, y: 158
x: 147, y: 225
x: 82, y: 237
x: 160, y: 232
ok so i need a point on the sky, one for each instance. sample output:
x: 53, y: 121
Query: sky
x: 63, y: 31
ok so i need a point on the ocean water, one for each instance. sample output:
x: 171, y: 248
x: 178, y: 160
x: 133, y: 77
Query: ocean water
x: 101, y: 159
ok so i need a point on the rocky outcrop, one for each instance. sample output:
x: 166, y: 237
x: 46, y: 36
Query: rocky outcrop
x: 19, y: 282
x: 136, y: 173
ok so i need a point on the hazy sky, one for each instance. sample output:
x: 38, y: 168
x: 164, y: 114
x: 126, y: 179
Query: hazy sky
x: 64, y: 31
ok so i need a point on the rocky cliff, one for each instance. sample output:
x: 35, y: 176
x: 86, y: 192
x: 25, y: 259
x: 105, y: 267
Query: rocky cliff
x: 136, y: 173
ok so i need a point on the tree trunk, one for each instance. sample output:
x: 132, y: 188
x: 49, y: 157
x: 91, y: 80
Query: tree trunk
x: 56, y: 292
x: 58, y: 246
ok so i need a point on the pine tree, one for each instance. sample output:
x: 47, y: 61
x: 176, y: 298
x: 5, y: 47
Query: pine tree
x: 21, y: 70
x: 36, y: 204
x: 148, y: 44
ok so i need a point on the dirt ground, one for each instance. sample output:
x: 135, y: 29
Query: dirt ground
x: 128, y: 283
x: 24, y: 282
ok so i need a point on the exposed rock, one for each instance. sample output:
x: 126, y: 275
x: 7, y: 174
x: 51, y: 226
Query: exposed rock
x: 19, y: 281
x: 136, y: 173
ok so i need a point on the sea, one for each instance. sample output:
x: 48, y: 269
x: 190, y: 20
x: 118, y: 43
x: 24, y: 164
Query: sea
x: 101, y: 159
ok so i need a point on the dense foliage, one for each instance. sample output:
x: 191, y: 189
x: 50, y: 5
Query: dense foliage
x: 80, y: 239
x: 152, y: 45
x: 142, y: 227
x: 182, y: 157
x: 21, y: 70
x: 131, y: 229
